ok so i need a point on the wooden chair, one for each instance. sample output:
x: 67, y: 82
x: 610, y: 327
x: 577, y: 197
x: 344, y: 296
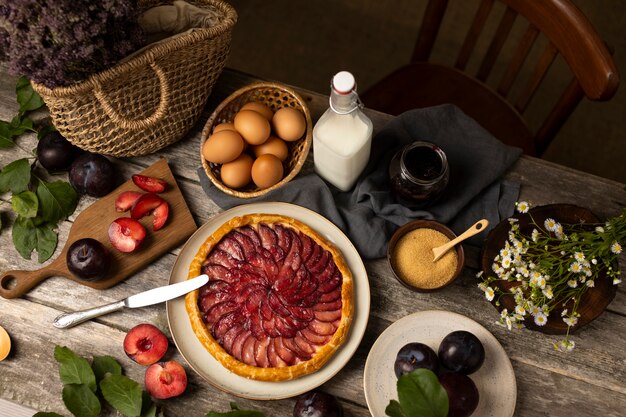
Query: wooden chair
x: 568, y: 33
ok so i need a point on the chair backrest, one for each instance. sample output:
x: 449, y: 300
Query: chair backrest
x: 569, y: 34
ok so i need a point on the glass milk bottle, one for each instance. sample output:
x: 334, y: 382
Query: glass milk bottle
x: 342, y: 137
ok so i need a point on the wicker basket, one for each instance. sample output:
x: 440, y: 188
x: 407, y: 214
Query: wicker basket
x: 150, y: 100
x: 275, y: 96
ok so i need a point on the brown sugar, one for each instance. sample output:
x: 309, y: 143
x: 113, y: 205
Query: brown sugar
x: 413, y: 259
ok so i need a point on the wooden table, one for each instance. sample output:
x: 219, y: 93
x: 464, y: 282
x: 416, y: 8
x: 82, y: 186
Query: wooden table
x: 591, y: 381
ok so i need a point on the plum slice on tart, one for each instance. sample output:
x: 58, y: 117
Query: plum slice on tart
x: 278, y: 303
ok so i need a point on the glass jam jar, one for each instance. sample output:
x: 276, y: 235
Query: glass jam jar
x: 419, y: 173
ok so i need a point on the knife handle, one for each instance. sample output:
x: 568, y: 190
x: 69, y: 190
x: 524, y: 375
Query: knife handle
x: 66, y: 320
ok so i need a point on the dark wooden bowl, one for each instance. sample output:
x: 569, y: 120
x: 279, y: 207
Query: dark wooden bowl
x: 593, y: 302
x: 420, y: 224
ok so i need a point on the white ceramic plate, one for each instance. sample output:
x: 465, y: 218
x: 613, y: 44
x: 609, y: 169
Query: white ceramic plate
x: 495, y: 380
x: 201, y: 361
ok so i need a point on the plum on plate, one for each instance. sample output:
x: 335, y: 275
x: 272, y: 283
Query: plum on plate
x: 461, y: 351
x: 462, y: 394
x: 413, y: 356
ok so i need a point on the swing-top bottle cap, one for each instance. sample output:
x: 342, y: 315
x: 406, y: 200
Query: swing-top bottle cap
x: 343, y: 82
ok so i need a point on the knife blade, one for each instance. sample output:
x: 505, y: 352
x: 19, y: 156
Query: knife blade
x: 146, y: 298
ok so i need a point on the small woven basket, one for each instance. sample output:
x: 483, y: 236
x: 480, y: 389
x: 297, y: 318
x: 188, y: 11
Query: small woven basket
x: 150, y: 100
x: 275, y: 96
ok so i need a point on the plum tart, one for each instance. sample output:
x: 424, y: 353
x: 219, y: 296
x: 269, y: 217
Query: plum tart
x: 278, y: 303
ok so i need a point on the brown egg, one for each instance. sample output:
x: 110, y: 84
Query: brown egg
x: 223, y: 126
x: 238, y: 173
x: 259, y: 108
x: 289, y: 124
x: 267, y: 170
x: 222, y: 147
x: 252, y: 126
x: 274, y: 146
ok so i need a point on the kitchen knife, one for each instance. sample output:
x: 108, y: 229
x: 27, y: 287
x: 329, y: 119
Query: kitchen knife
x: 146, y: 298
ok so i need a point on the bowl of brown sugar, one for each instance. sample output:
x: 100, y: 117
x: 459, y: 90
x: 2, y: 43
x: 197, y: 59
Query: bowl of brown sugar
x: 410, y: 256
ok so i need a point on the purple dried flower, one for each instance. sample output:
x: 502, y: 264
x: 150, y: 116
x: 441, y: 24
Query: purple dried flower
x: 60, y: 42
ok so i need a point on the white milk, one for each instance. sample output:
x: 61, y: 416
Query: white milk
x: 342, y: 137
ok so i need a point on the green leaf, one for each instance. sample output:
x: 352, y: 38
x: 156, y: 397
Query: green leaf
x: 74, y: 369
x: 394, y: 409
x: 40, y: 414
x: 6, y: 135
x: 236, y: 412
x: 24, y: 236
x: 15, y: 177
x: 32, y: 233
x: 47, y: 241
x: 27, y: 98
x: 148, y: 408
x: 57, y: 200
x: 25, y: 203
x: 103, y: 365
x: 123, y: 394
x: 20, y: 124
x: 81, y: 401
x: 421, y: 394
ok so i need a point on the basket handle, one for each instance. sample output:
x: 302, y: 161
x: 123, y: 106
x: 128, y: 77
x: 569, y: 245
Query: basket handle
x: 147, y: 122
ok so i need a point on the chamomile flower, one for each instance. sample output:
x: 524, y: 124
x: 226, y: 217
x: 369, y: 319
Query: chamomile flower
x: 550, y: 224
x: 519, y: 309
x: 534, y: 235
x: 572, y: 283
x: 564, y: 346
x: 616, y: 281
x: 570, y: 321
x: 576, y: 267
x: 541, y: 319
x: 489, y: 293
x: 579, y: 256
x: 522, y: 206
x: 547, y: 291
x: 591, y: 283
x: 616, y: 248
x: 534, y: 310
x: 600, y: 229
x: 508, y: 322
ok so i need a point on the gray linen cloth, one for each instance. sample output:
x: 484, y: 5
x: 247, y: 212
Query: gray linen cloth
x: 369, y: 213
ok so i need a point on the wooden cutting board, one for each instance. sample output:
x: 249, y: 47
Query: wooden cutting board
x: 94, y: 222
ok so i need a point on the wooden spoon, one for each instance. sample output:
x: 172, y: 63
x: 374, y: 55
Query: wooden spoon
x: 477, y: 227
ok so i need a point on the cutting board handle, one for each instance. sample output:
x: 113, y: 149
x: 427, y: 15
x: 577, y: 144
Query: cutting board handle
x: 18, y: 282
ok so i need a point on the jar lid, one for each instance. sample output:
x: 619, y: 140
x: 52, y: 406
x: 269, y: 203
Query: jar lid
x: 343, y: 82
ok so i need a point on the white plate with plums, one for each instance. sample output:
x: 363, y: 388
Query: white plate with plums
x: 449, y: 336
x: 199, y: 358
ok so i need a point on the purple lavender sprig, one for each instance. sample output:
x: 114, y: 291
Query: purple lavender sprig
x: 61, y: 42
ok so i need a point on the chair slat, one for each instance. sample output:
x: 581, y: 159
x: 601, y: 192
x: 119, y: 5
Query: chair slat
x: 566, y: 104
x: 523, y: 48
x: 500, y: 37
x: 474, y: 32
x: 543, y: 64
x: 435, y: 10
